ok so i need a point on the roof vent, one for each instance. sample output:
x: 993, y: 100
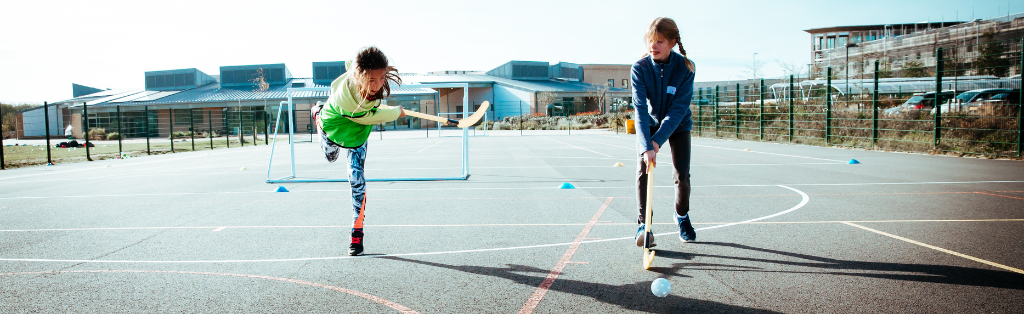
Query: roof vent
x: 326, y: 72
x: 176, y: 79
x: 250, y: 75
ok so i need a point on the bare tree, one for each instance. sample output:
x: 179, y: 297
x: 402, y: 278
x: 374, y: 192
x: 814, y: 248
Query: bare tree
x: 754, y: 69
x: 790, y: 68
x: 544, y: 99
x: 599, y: 92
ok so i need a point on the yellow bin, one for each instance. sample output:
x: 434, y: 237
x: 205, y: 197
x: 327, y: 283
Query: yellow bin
x: 629, y: 127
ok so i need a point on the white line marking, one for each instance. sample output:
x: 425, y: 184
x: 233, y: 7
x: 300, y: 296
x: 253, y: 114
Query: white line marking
x: 756, y: 152
x: 938, y: 248
x: 623, y: 147
x: 514, y: 188
x: 602, y: 154
x: 425, y: 148
x: 601, y: 223
x: 802, y: 203
x: 219, y: 229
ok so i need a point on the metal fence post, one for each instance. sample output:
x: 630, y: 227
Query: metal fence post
x: 85, y: 116
x: 255, y: 131
x: 938, y: 90
x: 209, y: 122
x: 700, y: 111
x: 145, y: 110
x: 716, y: 110
x: 828, y: 108
x: 1020, y: 108
x: 241, y: 129
x: 46, y: 123
x: 120, y: 133
x: 736, y: 114
x: 266, y: 128
x: 171, y: 127
x: 192, y: 127
x: 227, y: 126
x: 2, y: 165
x: 760, y: 112
x: 874, y: 109
x: 791, y: 108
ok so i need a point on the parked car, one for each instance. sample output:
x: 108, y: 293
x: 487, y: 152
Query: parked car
x: 920, y: 101
x: 981, y: 100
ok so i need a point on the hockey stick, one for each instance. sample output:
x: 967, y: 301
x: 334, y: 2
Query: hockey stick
x: 464, y: 123
x: 649, y: 235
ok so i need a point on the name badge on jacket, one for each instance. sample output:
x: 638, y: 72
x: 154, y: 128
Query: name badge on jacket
x: 672, y: 90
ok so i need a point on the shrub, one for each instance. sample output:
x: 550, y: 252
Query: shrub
x: 97, y: 134
x: 181, y: 134
x: 113, y: 136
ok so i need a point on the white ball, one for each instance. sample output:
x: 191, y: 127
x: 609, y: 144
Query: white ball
x: 661, y: 287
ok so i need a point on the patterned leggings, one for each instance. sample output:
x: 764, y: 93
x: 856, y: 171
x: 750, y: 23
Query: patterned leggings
x: 356, y: 178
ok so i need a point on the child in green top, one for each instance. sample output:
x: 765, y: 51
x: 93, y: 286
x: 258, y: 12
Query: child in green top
x: 348, y: 116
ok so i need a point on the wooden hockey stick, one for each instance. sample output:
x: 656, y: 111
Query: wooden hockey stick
x: 464, y: 123
x: 649, y: 235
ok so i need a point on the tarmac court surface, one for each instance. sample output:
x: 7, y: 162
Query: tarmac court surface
x: 780, y: 228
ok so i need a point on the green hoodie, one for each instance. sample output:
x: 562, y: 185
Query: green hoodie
x: 348, y: 118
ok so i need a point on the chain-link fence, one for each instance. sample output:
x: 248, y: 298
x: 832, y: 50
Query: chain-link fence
x: 968, y: 103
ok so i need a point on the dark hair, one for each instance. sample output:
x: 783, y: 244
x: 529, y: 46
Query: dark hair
x: 664, y: 27
x: 371, y: 58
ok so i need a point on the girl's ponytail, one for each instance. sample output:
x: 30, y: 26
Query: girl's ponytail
x: 689, y: 64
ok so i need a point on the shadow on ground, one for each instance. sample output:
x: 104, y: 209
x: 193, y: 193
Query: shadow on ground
x: 954, y: 275
x: 636, y: 296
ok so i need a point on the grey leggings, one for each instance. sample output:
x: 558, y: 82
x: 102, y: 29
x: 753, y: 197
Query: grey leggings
x: 680, y: 143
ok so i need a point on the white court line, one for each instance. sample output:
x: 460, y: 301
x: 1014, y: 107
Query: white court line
x: 603, y: 154
x: 117, y: 164
x: 600, y: 223
x: 803, y: 202
x: 623, y: 147
x: 954, y: 253
x: 511, y: 188
x: 766, y: 153
x: 425, y: 148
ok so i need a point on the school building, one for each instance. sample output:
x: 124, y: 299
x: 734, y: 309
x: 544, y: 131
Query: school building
x: 854, y: 49
x: 240, y: 97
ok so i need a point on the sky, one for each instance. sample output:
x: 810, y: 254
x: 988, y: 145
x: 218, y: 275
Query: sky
x: 45, y: 46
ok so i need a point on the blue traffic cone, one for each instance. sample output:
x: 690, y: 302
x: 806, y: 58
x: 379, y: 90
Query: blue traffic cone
x: 566, y: 186
x: 281, y: 189
x: 853, y: 162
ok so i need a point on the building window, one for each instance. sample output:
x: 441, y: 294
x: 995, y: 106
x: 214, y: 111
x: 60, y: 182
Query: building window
x: 611, y: 82
x: 625, y: 83
x: 830, y: 43
x: 842, y: 42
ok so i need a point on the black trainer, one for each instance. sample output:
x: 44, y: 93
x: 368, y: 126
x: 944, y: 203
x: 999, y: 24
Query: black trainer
x: 356, y: 247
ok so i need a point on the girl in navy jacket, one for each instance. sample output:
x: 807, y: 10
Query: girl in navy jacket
x: 662, y: 88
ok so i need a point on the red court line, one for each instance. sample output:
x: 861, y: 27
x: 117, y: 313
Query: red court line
x: 363, y: 295
x: 1018, y: 198
x: 531, y: 304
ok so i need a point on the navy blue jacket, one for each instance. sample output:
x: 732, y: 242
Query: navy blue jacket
x: 661, y: 98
